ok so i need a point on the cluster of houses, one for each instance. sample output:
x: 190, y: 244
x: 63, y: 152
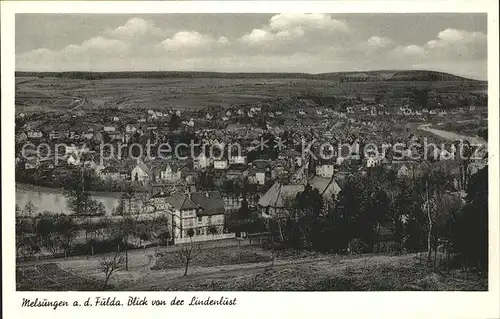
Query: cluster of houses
x: 404, y: 110
x: 202, y: 213
x: 235, y: 165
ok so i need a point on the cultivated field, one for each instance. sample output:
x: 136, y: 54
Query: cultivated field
x: 58, y: 93
x: 43, y: 95
x: 50, y: 277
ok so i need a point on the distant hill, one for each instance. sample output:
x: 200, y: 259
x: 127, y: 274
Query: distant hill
x: 364, y: 76
x: 388, y: 75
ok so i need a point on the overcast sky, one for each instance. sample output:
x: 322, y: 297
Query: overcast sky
x: 312, y: 43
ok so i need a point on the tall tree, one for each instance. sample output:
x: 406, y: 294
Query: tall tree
x: 431, y: 188
x: 25, y: 242
x: 174, y: 122
x: 304, y: 224
x: 47, y: 232
x: 66, y: 229
x: 470, y: 233
x: 76, y: 189
x: 122, y: 232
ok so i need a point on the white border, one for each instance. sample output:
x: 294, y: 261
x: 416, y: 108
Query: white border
x: 253, y: 304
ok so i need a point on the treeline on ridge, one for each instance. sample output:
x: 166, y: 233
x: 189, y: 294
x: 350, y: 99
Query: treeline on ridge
x: 411, y: 75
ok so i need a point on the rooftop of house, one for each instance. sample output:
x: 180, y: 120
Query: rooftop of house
x: 330, y: 161
x: 181, y: 201
x: 110, y: 170
x: 237, y: 167
x: 325, y: 186
x: 161, y: 194
x: 279, y: 193
x: 210, y: 202
x: 262, y: 164
x: 292, y: 153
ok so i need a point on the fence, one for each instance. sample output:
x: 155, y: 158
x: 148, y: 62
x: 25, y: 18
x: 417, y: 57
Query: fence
x: 199, y: 238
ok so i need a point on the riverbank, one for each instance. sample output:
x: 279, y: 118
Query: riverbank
x: 45, y: 199
x: 50, y: 190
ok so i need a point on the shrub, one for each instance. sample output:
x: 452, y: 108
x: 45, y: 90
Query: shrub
x: 357, y: 246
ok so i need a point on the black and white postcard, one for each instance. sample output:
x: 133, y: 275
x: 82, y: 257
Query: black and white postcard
x: 165, y: 159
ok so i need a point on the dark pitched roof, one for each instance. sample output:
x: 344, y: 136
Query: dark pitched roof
x: 262, y: 164
x: 109, y: 169
x: 210, y: 202
x: 325, y: 186
x: 160, y: 194
x: 237, y: 167
x: 277, y: 195
x: 181, y: 201
x: 144, y: 168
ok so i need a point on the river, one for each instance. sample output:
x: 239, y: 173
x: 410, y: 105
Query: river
x: 53, y: 200
x: 452, y: 136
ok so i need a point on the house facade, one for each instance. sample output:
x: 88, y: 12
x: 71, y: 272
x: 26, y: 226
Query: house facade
x: 201, y: 162
x: 239, y: 159
x: 111, y: 173
x: 325, y: 170
x: 170, y: 174
x: 140, y: 173
x: 220, y: 164
x: 201, y: 213
x: 35, y: 134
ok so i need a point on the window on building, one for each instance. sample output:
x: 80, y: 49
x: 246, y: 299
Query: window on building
x: 209, y: 219
x: 200, y: 219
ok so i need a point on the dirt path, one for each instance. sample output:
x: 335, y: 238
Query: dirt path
x: 159, y: 279
x: 82, y: 102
